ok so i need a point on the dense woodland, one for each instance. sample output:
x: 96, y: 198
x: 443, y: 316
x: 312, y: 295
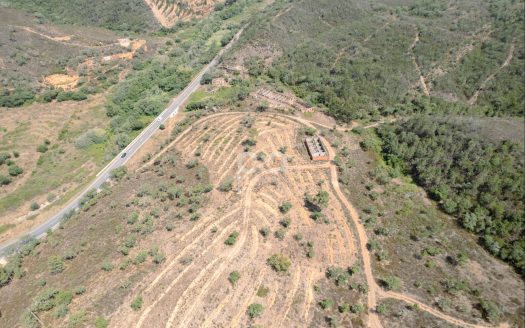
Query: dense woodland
x: 478, y: 181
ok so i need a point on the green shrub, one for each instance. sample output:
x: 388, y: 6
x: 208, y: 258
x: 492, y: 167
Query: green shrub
x: 118, y: 173
x: 263, y: 291
x: 233, y: 277
x: 101, y: 322
x: 226, y: 185
x: 490, y: 311
x: 279, y: 262
x: 136, y: 304
x: 55, y: 264
x: 42, y: 148
x: 34, y: 206
x: 232, y: 238
x: 344, y: 308
x: 15, y: 170
x: 286, y: 222
x: 265, y: 231
x: 255, y: 310
x: 4, y: 181
x: 357, y: 308
x: 107, y: 266
x: 280, y: 234
x: 285, y: 207
x: 326, y: 304
x: 91, y: 137
x: 391, y: 283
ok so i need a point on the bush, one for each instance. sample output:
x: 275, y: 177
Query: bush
x: 261, y: 156
x: 16, y: 98
x: 391, y: 283
x: 71, y: 95
x: 232, y: 238
x: 136, y: 304
x: 490, y: 311
x: 206, y: 78
x: 326, y: 304
x: 285, y: 207
x: 107, y: 266
x: 42, y: 148
x: 118, y: 173
x: 15, y: 170
x: 255, y: 310
x: 263, y: 291
x: 101, y: 322
x: 4, y: 157
x: 344, y: 308
x: 233, y: 277
x: 34, y: 206
x: 4, y: 180
x: 264, y: 231
x: 280, y: 234
x: 357, y: 308
x: 226, y: 185
x: 55, y: 264
x: 286, y: 222
x: 91, y: 137
x: 279, y: 262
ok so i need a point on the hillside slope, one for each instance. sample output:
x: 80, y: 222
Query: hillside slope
x: 169, y: 12
x: 359, y: 59
x: 121, y: 15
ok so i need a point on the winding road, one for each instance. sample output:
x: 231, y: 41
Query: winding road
x: 121, y: 159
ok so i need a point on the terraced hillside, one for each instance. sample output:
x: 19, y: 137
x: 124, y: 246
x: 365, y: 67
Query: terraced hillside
x: 169, y: 12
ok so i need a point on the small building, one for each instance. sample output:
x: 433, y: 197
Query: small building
x: 316, y: 149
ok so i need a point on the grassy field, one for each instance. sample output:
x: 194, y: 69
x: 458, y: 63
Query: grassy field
x: 68, y: 161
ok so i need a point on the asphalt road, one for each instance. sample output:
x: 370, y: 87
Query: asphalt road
x: 120, y: 159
